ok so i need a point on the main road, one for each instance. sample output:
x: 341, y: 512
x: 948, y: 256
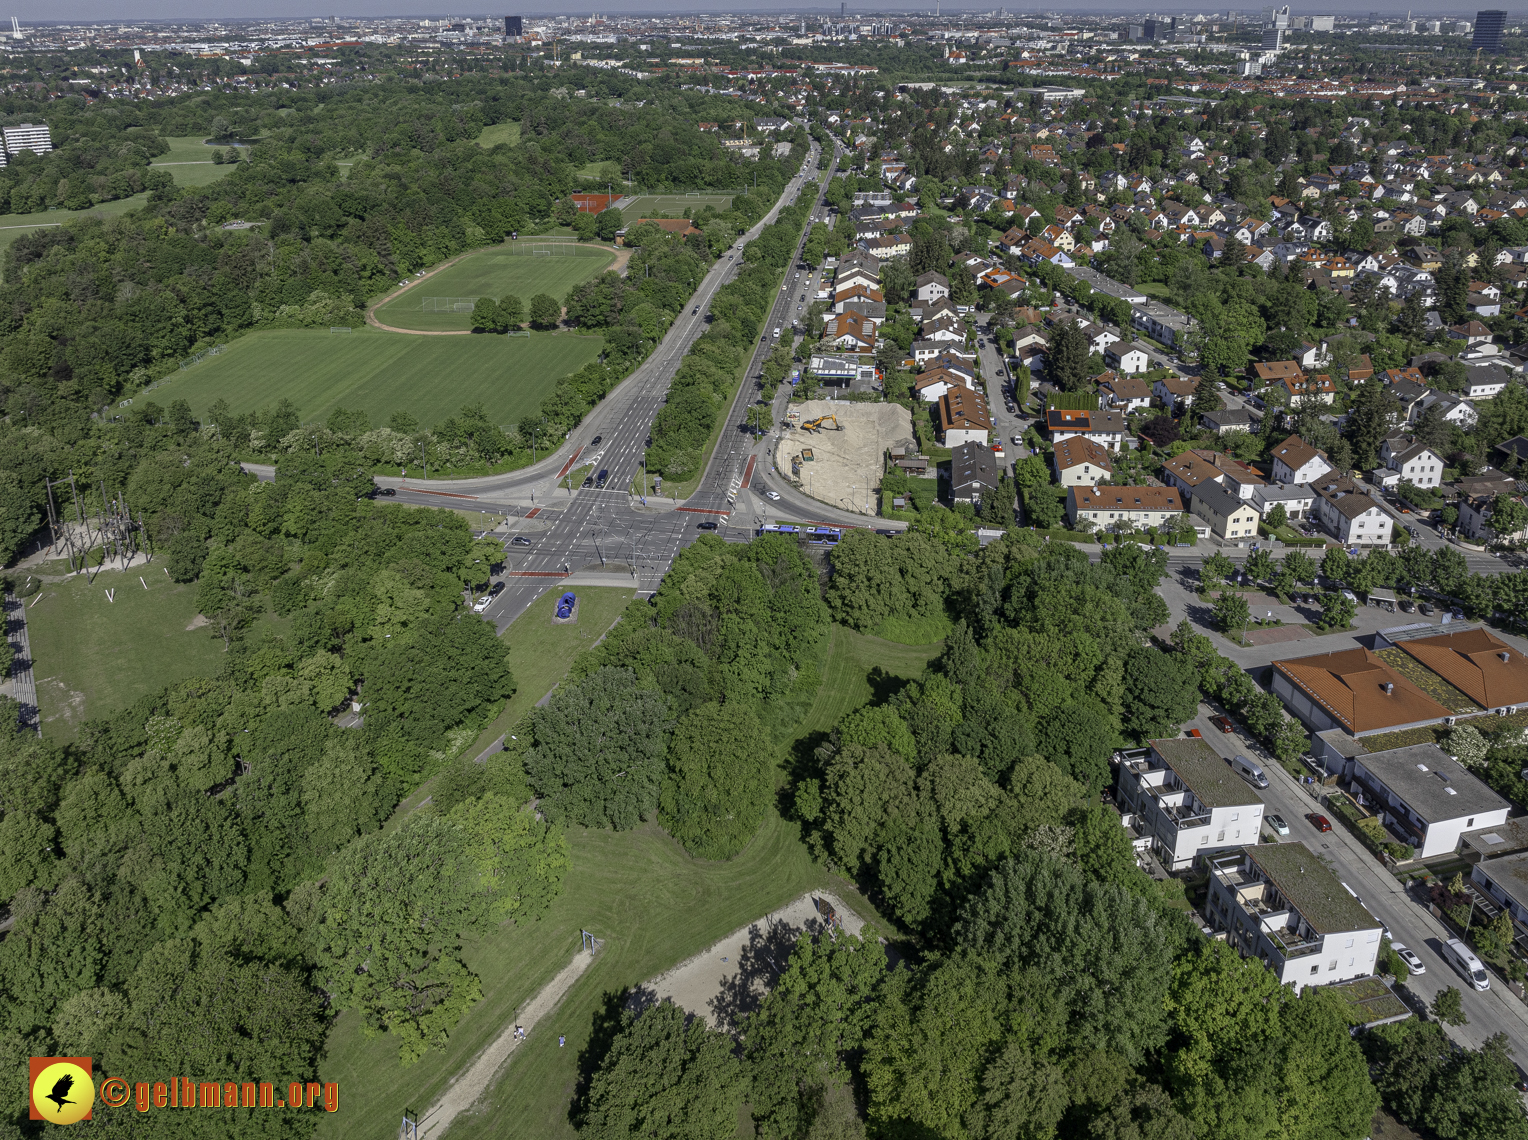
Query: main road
x: 571, y: 529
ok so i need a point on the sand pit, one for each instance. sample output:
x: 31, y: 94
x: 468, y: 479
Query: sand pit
x: 847, y: 465
x: 730, y: 978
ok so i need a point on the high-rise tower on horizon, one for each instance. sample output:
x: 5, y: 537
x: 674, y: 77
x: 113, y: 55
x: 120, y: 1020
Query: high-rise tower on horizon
x: 1490, y: 30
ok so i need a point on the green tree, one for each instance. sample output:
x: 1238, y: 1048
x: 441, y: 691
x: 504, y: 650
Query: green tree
x: 1301, y: 566
x: 1448, y: 1006
x: 487, y: 316
x: 18, y: 516
x: 814, y: 1017
x: 1232, y: 613
x: 1336, y: 611
x: 545, y: 311
x: 384, y: 927
x: 1041, y: 914
x: 1215, y: 569
x: 718, y: 786
x: 598, y: 759
x: 1509, y: 517
x: 662, y: 1077
x: 1066, y: 358
x: 511, y: 310
x: 1161, y: 692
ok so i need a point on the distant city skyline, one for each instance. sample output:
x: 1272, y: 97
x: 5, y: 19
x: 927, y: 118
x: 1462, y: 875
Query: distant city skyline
x: 130, y: 11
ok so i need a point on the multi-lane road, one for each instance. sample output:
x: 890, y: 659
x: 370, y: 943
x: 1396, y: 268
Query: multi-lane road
x: 567, y: 530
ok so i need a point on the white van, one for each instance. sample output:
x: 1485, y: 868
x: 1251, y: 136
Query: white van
x: 1463, y: 959
x: 1249, y: 771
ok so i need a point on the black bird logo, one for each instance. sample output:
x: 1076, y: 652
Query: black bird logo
x: 60, y: 1093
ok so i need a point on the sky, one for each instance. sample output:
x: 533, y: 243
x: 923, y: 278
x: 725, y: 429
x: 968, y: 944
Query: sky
x: 116, y: 11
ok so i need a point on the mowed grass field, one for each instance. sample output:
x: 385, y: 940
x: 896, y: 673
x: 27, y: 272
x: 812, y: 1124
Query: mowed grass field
x: 672, y: 205
x: 190, y: 161
x: 381, y: 373
x: 493, y: 273
x: 651, y: 902
x: 93, y: 656
x: 499, y: 133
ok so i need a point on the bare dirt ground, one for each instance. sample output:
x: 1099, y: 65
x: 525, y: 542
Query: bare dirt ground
x: 848, y: 464
x: 730, y: 978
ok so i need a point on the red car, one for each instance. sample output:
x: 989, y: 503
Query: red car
x: 1223, y: 723
x: 1319, y: 822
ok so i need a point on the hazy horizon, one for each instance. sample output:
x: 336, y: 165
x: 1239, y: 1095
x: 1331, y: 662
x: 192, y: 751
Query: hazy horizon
x: 101, y: 11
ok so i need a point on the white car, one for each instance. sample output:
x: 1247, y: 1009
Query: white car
x: 775, y: 495
x: 482, y: 603
x: 1413, y: 963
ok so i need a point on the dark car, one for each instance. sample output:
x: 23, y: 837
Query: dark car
x: 1426, y: 608
x: 519, y: 540
x: 1319, y: 822
x: 600, y: 479
x: 588, y: 481
x: 498, y: 588
x: 889, y: 533
x: 1223, y: 723
x: 388, y: 491
x: 566, y: 603
x: 709, y: 524
x: 596, y: 441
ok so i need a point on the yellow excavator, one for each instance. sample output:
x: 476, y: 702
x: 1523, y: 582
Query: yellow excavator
x: 816, y: 425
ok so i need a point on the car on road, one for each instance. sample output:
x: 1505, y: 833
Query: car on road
x: 772, y: 495
x: 487, y: 599
x: 888, y: 533
x: 1319, y: 821
x: 1018, y: 440
x: 566, y: 603
x: 588, y: 481
x: 388, y: 491
x: 1409, y: 956
x: 519, y: 540
x: 1463, y: 959
x: 1223, y: 723
x: 599, y: 480
x: 709, y: 524
x: 596, y: 441
x: 695, y: 310
x: 1276, y: 822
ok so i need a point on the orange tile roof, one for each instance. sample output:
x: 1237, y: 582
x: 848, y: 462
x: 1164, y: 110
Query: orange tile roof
x: 1075, y: 450
x: 1472, y: 662
x: 1350, y: 686
x: 1128, y: 499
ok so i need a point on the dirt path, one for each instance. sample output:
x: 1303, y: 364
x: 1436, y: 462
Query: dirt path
x: 467, y: 1087
x: 622, y: 256
x: 730, y: 978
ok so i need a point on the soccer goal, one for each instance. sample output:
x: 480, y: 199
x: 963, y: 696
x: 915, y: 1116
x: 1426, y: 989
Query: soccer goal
x: 447, y: 304
x: 545, y: 249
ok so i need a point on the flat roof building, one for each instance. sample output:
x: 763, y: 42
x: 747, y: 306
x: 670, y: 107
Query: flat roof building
x: 1189, y: 803
x: 1281, y: 904
x: 1425, y: 795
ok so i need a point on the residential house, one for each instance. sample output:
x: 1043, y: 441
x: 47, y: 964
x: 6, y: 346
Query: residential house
x: 935, y: 382
x: 1105, y: 427
x: 1079, y: 462
x: 973, y: 473
x: 1484, y: 380
x: 1295, y: 461
x: 1350, y: 514
x: 1471, y: 332
x: 1098, y: 337
x: 1176, y: 392
x: 1228, y: 420
x: 1354, y: 690
x: 931, y: 286
x: 1126, y: 393
x: 1190, y: 470
x: 943, y: 329
x: 850, y: 331
x: 1415, y: 463
x: 1127, y: 357
x: 1230, y: 517
x: 1317, y: 387
x: 1475, y: 520
x: 963, y: 417
x: 1425, y: 795
x: 1182, y: 798
x: 1111, y: 507
x: 1279, y: 903
x: 1297, y: 500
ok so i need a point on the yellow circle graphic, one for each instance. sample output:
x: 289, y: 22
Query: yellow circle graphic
x: 63, y: 1093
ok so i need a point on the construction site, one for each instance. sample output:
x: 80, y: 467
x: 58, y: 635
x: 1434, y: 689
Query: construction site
x: 835, y: 450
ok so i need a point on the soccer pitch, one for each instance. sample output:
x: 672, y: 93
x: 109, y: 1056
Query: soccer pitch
x: 379, y: 373
x: 672, y: 205
x: 511, y: 268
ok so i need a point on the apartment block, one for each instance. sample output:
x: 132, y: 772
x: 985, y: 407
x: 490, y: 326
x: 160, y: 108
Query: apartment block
x: 1186, y: 799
